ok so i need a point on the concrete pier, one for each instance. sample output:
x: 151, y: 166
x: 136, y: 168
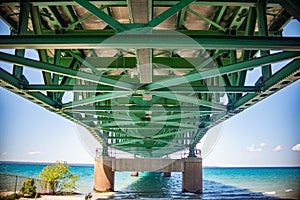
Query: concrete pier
x: 134, y: 174
x: 192, y: 175
x: 104, y: 177
x: 167, y: 174
x: 191, y: 169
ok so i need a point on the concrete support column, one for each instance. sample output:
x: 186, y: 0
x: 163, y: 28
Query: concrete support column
x: 104, y: 179
x: 167, y: 174
x: 192, y: 175
x: 134, y: 174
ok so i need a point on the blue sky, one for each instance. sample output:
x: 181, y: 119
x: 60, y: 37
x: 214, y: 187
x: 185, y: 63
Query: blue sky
x: 263, y: 135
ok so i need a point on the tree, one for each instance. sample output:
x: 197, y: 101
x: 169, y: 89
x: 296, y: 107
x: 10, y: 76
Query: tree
x: 59, y: 177
x: 28, y: 188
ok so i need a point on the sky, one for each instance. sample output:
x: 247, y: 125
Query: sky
x: 266, y: 134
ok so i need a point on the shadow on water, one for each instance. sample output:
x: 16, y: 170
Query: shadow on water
x: 159, y: 187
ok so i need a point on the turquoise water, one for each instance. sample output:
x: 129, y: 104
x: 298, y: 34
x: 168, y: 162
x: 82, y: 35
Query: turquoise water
x: 219, y: 183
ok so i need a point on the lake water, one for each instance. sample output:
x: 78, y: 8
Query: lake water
x: 218, y: 183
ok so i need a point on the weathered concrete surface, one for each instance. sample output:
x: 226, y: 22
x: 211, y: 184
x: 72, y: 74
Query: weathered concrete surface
x: 134, y: 174
x: 191, y: 169
x: 103, y: 175
x: 147, y: 165
x: 167, y: 174
x: 192, y: 175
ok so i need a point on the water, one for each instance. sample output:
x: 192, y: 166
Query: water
x: 219, y: 183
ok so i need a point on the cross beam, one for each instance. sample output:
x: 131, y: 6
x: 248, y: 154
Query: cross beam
x: 149, y: 41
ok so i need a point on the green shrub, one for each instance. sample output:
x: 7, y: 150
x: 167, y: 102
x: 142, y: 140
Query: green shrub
x: 28, y: 188
x: 59, y: 178
x: 11, y: 197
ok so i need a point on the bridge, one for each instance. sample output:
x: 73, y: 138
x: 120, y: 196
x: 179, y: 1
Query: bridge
x: 149, y: 77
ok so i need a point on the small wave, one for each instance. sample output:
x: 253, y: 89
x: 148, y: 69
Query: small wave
x: 289, y: 190
x: 269, y: 193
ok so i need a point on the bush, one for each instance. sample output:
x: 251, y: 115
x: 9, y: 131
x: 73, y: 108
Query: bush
x: 11, y: 197
x: 28, y: 188
x: 59, y: 178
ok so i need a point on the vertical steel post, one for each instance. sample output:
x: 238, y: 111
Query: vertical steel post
x: 263, y: 31
x: 22, y: 28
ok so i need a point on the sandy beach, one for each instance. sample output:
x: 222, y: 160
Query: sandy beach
x: 95, y: 196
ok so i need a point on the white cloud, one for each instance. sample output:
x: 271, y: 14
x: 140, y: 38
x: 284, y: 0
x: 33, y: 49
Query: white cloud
x: 4, y: 153
x: 262, y: 144
x: 252, y: 147
x: 296, y: 147
x: 35, y: 152
x: 278, y: 148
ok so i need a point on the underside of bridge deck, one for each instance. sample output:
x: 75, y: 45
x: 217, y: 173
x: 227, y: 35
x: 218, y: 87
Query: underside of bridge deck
x: 148, y: 77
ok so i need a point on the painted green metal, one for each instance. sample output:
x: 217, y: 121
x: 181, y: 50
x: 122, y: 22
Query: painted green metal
x: 263, y: 30
x: 24, y: 16
x: 150, y: 41
x: 98, y: 98
x: 183, y: 92
x: 206, y: 19
x: 102, y: 15
x: 168, y: 13
x: 155, y: 2
x: 63, y: 71
x: 236, y: 67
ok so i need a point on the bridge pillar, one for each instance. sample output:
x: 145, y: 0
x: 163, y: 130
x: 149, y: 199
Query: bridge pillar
x: 134, y: 174
x: 192, y: 175
x: 104, y: 179
x: 167, y: 174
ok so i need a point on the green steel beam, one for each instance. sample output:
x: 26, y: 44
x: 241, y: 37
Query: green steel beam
x: 12, y: 80
x: 168, y: 142
x: 176, y: 124
x: 278, y: 76
x: 98, y: 98
x: 144, y: 146
x: 231, y: 68
x: 63, y: 71
x: 292, y: 6
x: 55, y: 78
x: 111, y: 119
x: 155, y: 2
x: 17, y: 83
x: 168, y: 13
x: 180, y: 116
x: 77, y: 22
x: 281, y: 74
x: 36, y: 23
x: 161, y: 109
x: 249, y: 30
x: 218, y: 16
x: 126, y: 63
x: 142, y: 128
x: 84, y: 62
x: 175, y: 89
x: 263, y: 30
x: 110, y: 33
x: 181, y: 18
x: 136, y: 124
x: 149, y: 41
x: 188, y: 99
x: 169, y: 134
x: 102, y: 15
x: 206, y: 19
x: 126, y: 142
x: 22, y: 28
x: 114, y: 115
